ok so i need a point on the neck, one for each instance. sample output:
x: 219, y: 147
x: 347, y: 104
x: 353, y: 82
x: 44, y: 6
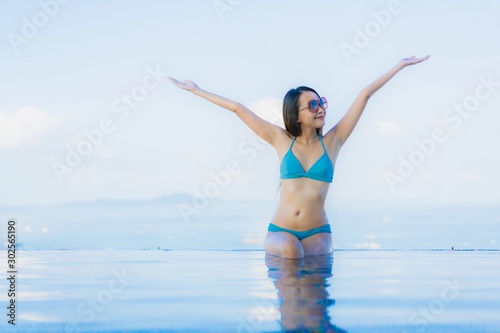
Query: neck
x: 308, y: 137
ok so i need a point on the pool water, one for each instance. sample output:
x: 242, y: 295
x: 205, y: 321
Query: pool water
x: 249, y: 291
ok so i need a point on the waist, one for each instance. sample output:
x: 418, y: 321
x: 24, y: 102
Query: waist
x: 300, y: 219
x: 303, y: 191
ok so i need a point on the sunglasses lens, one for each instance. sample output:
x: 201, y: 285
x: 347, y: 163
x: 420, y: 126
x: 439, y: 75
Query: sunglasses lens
x: 323, y: 103
x: 313, y: 106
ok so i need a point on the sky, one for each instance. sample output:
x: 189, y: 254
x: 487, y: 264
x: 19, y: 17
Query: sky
x: 86, y: 111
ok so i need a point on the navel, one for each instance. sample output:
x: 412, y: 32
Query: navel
x: 298, y: 213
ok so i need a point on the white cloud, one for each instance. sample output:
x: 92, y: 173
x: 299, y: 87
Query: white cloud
x: 253, y: 240
x: 388, y: 127
x: 370, y: 236
x: 25, y: 125
x: 28, y: 229
x: 368, y: 245
x: 45, y: 230
x: 269, y: 109
x: 38, y: 317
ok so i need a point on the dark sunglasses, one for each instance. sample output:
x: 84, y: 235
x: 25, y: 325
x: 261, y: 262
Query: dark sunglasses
x: 314, y: 105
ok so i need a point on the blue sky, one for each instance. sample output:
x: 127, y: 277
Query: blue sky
x: 93, y: 65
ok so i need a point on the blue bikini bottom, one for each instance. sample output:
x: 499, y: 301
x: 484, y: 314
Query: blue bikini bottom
x: 301, y: 234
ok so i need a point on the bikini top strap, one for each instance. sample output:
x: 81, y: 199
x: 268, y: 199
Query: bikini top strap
x: 321, y: 139
x: 291, y: 144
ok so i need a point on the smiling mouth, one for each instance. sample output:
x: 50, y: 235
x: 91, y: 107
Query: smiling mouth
x: 321, y: 117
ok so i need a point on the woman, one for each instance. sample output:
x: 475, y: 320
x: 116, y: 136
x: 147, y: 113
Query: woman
x: 300, y: 226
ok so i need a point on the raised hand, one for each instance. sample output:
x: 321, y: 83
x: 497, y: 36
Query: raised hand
x: 186, y: 85
x: 412, y: 60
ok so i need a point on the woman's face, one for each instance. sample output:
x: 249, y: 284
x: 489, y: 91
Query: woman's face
x: 307, y: 118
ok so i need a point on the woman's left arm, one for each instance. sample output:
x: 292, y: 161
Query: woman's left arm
x: 346, y: 125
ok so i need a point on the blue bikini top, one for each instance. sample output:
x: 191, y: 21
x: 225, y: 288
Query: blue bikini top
x: 321, y: 170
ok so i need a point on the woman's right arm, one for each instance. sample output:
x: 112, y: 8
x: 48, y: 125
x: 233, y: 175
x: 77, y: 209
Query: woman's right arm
x: 266, y: 130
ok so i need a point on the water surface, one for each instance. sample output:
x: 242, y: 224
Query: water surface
x: 247, y: 291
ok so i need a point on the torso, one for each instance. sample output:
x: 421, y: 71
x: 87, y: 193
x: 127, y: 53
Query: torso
x: 302, y: 204
x: 302, y: 200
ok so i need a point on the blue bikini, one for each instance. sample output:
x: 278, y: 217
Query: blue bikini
x: 301, y: 234
x: 322, y: 170
x: 291, y: 168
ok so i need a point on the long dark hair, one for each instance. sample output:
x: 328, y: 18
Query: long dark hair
x: 291, y: 113
x: 291, y: 110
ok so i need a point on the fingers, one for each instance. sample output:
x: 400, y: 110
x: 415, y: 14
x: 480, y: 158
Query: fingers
x: 174, y: 81
x: 186, y: 85
x: 178, y: 83
x: 412, y: 58
x: 422, y: 59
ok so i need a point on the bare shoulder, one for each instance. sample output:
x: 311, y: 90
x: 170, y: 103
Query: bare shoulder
x: 332, y: 142
x: 330, y: 137
x: 282, y: 141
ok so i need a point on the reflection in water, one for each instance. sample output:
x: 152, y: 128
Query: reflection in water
x: 302, y: 292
